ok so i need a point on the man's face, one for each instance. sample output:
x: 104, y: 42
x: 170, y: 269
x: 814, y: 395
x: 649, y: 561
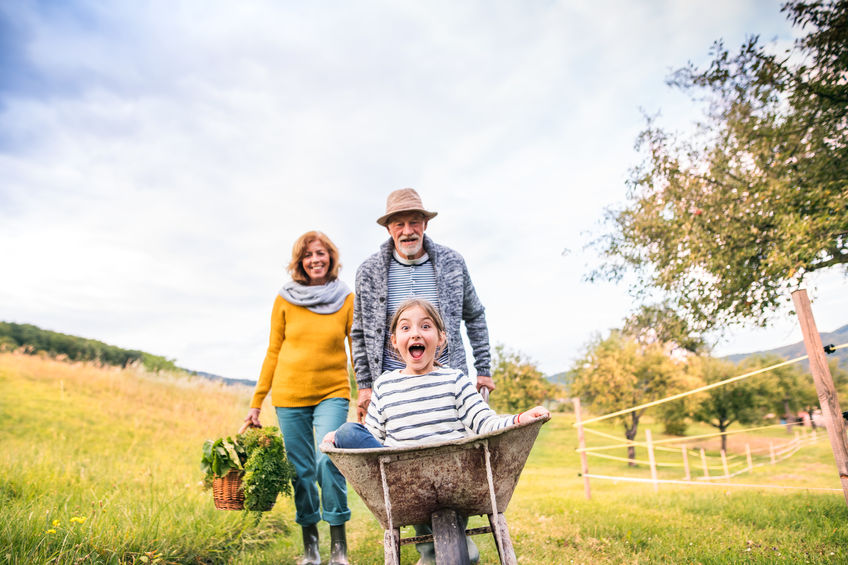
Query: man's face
x: 407, y: 231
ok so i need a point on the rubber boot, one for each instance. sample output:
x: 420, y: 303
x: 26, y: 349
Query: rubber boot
x: 338, y: 545
x: 311, y: 555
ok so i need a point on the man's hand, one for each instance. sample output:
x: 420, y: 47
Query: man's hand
x: 485, y: 381
x: 363, y: 399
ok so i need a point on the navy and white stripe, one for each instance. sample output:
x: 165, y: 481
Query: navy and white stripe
x: 405, y: 282
x: 443, y: 405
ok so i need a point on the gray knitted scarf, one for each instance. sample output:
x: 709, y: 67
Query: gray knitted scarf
x: 321, y: 299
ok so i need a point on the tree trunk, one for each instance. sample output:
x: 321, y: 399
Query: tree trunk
x: 723, y: 428
x: 630, y: 434
x: 787, y: 415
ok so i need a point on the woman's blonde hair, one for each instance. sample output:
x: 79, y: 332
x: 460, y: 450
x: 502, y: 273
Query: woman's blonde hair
x: 295, y: 267
x: 431, y: 311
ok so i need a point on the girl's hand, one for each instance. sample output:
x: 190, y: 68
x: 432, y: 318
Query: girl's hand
x: 532, y: 414
x: 329, y: 438
x: 253, y: 417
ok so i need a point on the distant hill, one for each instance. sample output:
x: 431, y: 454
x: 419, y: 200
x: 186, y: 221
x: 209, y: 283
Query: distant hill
x: 225, y: 380
x: 32, y: 339
x: 565, y: 378
x: 798, y: 349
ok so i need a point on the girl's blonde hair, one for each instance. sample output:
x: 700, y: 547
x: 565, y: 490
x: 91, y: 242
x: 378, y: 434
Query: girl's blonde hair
x: 295, y: 267
x: 431, y: 311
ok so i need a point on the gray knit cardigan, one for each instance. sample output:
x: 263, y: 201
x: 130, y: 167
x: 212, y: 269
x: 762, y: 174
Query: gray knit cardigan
x: 457, y: 302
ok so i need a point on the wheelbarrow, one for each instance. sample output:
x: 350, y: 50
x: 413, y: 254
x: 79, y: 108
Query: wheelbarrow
x: 437, y: 483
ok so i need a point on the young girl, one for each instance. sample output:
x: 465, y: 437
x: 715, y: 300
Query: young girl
x: 423, y: 402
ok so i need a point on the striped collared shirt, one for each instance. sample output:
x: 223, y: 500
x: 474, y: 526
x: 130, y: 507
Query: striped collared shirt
x: 443, y: 405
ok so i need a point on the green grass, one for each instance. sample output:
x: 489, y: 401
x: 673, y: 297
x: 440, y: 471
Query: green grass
x: 112, y: 456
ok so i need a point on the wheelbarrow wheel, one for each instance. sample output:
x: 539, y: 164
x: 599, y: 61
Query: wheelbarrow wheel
x: 449, y: 538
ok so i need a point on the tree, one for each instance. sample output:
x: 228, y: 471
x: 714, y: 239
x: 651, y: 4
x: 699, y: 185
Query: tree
x: 660, y: 322
x: 520, y: 385
x: 730, y: 219
x: 738, y: 402
x: 786, y: 389
x: 618, y: 373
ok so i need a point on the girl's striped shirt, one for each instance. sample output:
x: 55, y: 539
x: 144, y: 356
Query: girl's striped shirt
x: 443, y: 405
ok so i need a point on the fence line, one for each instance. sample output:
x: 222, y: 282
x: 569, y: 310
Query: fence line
x: 824, y: 386
x: 679, y: 441
x: 704, y: 483
x: 785, y: 452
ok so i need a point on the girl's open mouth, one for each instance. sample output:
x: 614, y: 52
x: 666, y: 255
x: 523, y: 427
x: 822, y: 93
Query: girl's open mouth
x: 416, y: 351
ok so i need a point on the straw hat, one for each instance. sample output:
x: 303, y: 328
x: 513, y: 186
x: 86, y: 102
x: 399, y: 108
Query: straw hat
x: 403, y: 200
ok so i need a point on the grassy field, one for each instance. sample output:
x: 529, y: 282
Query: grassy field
x: 101, y: 465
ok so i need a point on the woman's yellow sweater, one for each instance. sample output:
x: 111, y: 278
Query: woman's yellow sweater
x: 306, y: 360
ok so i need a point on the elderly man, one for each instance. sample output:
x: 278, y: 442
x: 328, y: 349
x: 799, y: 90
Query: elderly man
x: 411, y: 264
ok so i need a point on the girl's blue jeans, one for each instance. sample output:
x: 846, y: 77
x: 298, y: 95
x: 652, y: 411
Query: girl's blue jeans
x: 353, y: 435
x: 300, y: 426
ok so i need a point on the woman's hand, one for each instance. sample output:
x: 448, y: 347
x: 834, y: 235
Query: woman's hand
x: 329, y: 438
x: 532, y: 414
x: 253, y: 418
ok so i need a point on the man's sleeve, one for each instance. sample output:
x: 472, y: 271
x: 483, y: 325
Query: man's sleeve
x: 475, y: 325
x: 357, y: 335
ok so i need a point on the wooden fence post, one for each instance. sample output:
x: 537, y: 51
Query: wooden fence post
x: 581, y: 440
x: 724, y: 464
x: 771, y: 453
x: 748, y: 456
x: 831, y: 412
x: 688, y: 476
x: 706, y: 467
x: 651, y: 459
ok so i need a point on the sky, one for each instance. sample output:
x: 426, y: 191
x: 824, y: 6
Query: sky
x: 158, y: 159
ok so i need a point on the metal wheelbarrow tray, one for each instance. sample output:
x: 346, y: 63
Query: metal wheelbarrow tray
x: 436, y: 482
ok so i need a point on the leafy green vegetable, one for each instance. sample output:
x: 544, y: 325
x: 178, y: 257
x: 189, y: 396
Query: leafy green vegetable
x: 267, y: 470
x: 261, y: 455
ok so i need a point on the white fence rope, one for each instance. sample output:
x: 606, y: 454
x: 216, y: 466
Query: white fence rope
x: 704, y: 483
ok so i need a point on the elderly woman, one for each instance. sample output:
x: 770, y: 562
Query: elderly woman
x: 305, y: 369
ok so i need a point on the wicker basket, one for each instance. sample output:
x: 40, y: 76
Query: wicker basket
x: 227, y: 491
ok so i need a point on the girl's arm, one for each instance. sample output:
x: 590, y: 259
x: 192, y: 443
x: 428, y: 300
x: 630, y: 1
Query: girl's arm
x: 473, y: 411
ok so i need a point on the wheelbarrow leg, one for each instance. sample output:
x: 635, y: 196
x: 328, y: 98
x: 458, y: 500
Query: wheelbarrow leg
x: 449, y: 538
x: 502, y: 540
x: 391, y: 546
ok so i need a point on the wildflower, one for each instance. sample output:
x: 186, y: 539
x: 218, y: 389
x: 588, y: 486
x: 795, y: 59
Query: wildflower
x: 78, y: 519
x: 50, y: 531
x: 56, y: 523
